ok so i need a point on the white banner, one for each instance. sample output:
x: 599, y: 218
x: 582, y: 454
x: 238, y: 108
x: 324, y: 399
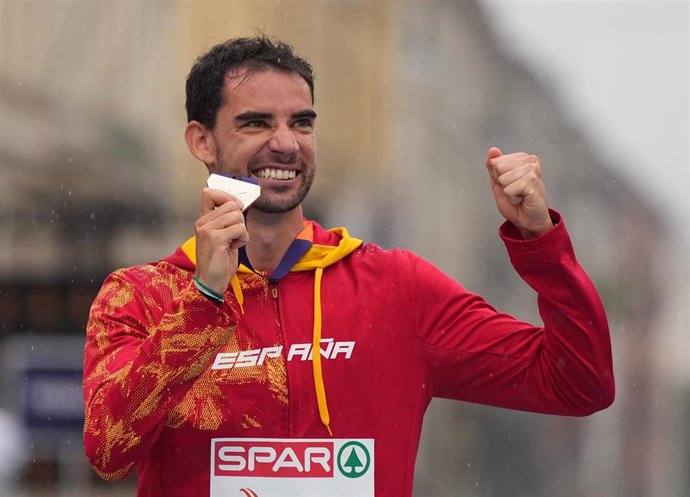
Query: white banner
x: 290, y: 467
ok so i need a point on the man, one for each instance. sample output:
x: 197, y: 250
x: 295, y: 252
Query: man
x: 270, y: 357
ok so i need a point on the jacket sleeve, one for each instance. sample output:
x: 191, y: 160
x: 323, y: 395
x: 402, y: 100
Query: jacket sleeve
x: 480, y: 355
x: 147, y: 339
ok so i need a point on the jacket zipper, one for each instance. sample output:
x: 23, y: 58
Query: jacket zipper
x: 274, y: 293
x: 273, y: 284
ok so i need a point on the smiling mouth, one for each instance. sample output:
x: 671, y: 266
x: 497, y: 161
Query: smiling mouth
x: 275, y: 174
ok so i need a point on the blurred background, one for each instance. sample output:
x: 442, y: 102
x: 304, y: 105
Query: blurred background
x: 95, y: 175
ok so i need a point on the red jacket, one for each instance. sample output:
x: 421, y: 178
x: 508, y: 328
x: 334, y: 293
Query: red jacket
x: 167, y: 370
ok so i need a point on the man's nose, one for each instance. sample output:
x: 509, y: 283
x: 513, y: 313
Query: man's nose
x: 283, y: 141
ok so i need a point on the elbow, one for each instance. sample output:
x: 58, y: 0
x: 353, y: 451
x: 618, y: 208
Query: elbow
x: 116, y: 475
x: 107, y: 472
x: 103, y: 452
x: 608, y: 393
x: 602, y: 396
x: 103, y: 464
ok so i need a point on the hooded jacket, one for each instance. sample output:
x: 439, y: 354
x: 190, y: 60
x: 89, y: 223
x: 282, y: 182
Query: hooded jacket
x: 167, y: 370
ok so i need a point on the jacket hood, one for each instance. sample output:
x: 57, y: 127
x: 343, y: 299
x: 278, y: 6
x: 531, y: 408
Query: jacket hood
x: 329, y: 247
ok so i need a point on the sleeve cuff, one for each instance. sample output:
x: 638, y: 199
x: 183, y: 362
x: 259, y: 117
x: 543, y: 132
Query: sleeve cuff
x: 511, y: 235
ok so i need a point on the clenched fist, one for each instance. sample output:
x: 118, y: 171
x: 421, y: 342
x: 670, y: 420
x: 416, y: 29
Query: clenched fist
x: 519, y: 191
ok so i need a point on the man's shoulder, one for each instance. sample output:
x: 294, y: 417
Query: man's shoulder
x: 381, y: 259
x: 150, y: 274
x: 333, y: 237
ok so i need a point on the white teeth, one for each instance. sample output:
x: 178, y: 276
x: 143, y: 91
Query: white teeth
x: 269, y: 173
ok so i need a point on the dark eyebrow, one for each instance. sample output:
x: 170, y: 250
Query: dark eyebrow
x: 251, y: 115
x: 310, y: 114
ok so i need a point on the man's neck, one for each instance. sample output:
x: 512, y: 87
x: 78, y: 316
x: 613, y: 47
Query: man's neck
x: 270, y: 235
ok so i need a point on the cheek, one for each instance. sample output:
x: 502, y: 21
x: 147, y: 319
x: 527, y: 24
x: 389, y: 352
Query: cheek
x: 239, y: 153
x: 308, y: 148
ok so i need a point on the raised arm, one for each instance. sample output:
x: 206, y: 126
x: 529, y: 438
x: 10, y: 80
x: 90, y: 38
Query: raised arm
x: 481, y: 355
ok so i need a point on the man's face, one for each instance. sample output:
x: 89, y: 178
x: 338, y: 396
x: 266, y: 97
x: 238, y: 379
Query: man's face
x: 265, y: 130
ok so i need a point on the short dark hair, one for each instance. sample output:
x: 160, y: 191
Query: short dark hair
x: 206, y: 79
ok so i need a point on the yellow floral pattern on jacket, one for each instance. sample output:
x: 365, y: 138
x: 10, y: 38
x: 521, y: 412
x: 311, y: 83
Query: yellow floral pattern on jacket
x: 151, y: 339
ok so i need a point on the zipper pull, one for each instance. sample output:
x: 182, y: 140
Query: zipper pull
x: 274, y: 288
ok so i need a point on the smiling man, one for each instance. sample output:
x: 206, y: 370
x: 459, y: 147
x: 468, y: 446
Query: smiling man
x: 269, y: 357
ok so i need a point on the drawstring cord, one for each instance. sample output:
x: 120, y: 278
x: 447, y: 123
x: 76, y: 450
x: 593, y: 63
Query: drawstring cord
x: 237, y: 290
x: 316, y: 354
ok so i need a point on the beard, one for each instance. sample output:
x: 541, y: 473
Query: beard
x: 276, y: 199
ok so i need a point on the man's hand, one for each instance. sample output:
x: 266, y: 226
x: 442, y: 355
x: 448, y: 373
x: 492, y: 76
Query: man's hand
x: 220, y: 231
x: 519, y: 191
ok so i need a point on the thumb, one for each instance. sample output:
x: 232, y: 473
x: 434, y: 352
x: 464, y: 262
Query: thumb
x: 493, y: 153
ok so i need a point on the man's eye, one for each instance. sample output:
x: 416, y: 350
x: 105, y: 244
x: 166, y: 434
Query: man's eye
x: 255, y: 124
x: 304, y: 123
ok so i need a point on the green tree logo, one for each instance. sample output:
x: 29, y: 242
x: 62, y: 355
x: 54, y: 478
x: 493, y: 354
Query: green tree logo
x: 353, y: 459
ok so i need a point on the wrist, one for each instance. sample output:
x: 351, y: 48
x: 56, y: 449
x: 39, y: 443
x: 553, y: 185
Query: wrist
x: 529, y: 234
x: 207, y: 291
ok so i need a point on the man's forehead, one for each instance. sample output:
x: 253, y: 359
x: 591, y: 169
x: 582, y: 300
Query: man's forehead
x: 235, y: 79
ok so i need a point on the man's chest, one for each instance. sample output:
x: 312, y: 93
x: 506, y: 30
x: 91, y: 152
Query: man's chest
x: 263, y: 379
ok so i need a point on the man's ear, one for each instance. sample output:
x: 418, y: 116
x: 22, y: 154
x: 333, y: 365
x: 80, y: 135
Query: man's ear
x: 200, y: 142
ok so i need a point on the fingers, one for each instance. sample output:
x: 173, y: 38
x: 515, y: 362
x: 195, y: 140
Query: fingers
x: 519, y: 182
x: 500, y: 164
x: 221, y: 218
x: 211, y: 199
x: 508, y: 169
x: 239, y: 235
x: 220, y: 231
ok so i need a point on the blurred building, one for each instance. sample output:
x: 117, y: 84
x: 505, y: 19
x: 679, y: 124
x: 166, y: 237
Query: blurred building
x: 94, y: 174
